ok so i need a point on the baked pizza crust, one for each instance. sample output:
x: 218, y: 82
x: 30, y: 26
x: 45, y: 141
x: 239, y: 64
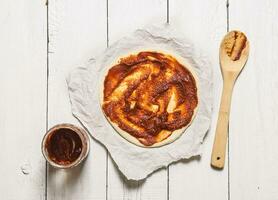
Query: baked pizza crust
x: 175, y: 134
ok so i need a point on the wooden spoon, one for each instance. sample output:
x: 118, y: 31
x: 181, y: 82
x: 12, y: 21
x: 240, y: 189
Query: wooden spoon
x: 234, y: 51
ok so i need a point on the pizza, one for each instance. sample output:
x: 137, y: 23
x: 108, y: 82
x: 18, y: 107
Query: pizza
x: 150, y: 97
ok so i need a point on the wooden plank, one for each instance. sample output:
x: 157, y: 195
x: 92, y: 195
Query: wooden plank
x: 77, y: 32
x: 124, y: 17
x: 23, y: 72
x: 204, y: 23
x: 253, y: 123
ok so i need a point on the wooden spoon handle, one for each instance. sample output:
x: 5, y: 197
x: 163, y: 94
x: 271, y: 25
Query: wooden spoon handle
x: 221, y: 134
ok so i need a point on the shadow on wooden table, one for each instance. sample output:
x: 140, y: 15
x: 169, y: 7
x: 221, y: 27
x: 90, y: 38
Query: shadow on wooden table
x: 134, y: 185
x: 64, y: 178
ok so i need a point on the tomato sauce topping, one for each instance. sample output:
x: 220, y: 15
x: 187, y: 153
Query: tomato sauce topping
x: 149, y: 95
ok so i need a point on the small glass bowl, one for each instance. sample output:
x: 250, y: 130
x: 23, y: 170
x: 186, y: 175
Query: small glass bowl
x: 84, y: 140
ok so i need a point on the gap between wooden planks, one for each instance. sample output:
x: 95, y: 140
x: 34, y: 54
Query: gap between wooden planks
x: 87, y: 26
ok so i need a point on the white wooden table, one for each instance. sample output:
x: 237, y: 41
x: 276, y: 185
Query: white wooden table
x: 39, y: 44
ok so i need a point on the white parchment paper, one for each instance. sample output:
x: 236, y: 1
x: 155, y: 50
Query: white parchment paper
x: 84, y: 83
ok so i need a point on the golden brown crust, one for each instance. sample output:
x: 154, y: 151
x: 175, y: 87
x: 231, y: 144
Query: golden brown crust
x: 149, y: 95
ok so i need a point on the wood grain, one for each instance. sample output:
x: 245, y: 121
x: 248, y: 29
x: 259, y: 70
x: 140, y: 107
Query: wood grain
x: 77, y: 32
x: 204, y: 23
x: 233, y: 54
x: 124, y: 17
x: 253, y: 119
x: 23, y: 72
x: 221, y: 133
